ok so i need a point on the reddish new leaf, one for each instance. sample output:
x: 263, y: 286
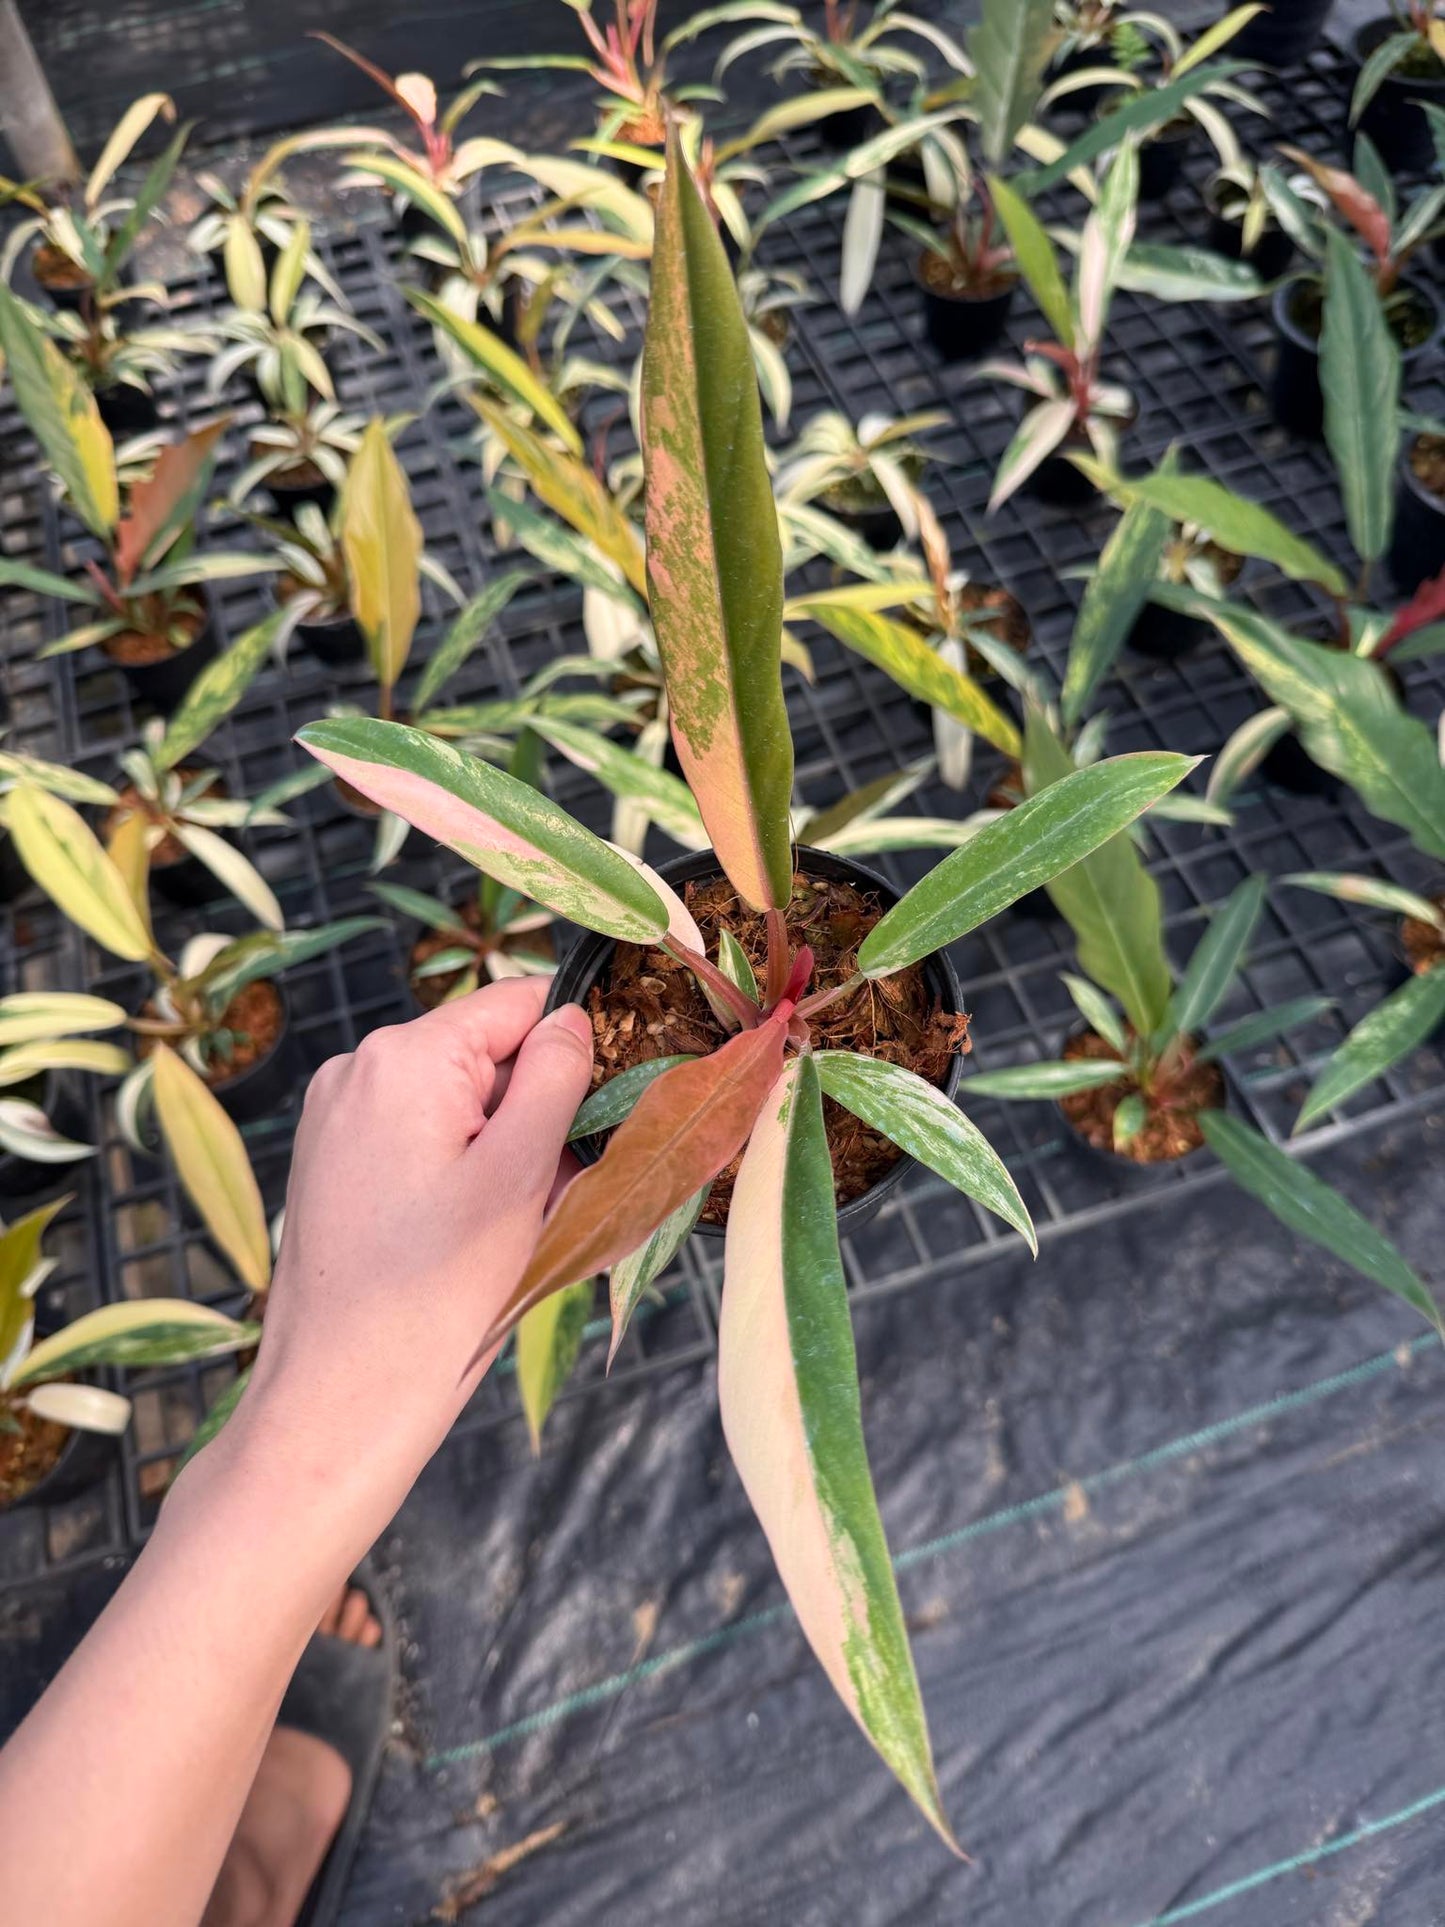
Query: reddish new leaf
x: 1355, y: 203
x: 166, y: 500
x: 687, y: 1125
x: 1425, y: 606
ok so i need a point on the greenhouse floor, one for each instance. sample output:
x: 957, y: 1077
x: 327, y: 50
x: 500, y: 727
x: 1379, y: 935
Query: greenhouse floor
x: 1161, y: 1502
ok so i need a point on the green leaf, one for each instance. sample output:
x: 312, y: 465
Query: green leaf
x: 1403, y: 1021
x: 1109, y: 901
x: 1097, y: 1011
x: 141, y: 1332
x: 382, y: 542
x: 1030, y: 846
x: 665, y: 797
x: 917, y: 1117
x: 267, y: 953
x: 1116, y: 592
x: 503, y: 365
x: 1241, y: 526
x: 1375, y: 892
x: 1360, y: 381
x: 1308, y: 1206
x: 714, y: 561
x: 902, y: 654
x: 1145, y: 111
x: 1265, y: 1025
x: 1383, y: 61
x: 500, y: 825
x: 1045, y: 1080
x: 430, y: 911
x: 466, y: 630
x: 21, y: 575
x: 632, y: 1275
x: 1216, y: 961
x: 732, y: 961
x: 571, y: 490
x: 61, y: 413
x: 607, y: 1106
x: 548, y: 1341
x: 215, y: 1419
x: 1037, y: 260
x: 1348, y: 719
x: 788, y: 1391
x: 1009, y: 47
x: 31, y: 1016
x: 1130, y: 1116
x: 217, y: 690
x: 1103, y: 243
x: 1187, y: 274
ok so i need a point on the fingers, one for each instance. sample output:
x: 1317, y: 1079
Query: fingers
x: 494, y: 1019
x: 549, y: 1079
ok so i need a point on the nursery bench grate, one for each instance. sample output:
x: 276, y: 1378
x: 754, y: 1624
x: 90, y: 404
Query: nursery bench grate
x: 1197, y: 374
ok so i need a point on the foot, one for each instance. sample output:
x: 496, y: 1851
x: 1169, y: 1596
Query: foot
x: 294, y: 1809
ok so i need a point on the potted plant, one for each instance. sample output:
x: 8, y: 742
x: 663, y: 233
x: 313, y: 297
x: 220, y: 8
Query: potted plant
x: 1281, y: 34
x: 1141, y: 1079
x: 149, y: 617
x: 1075, y: 408
x: 1402, y: 66
x: 219, y: 1004
x: 1388, y: 238
x: 249, y: 227
x: 48, y: 1412
x: 1417, y: 544
x: 867, y: 476
x: 1082, y: 65
x: 967, y: 274
x: 715, y: 590
x: 47, y: 1042
x: 16, y: 767
x: 1250, y: 219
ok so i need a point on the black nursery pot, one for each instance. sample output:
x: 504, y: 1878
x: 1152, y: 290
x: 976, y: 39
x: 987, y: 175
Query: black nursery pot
x: 962, y: 326
x: 1083, y: 100
x: 186, y: 882
x: 1393, y: 119
x: 587, y: 962
x: 263, y: 1087
x: 1059, y: 483
x: 85, y: 1458
x: 126, y: 410
x: 1166, y: 634
x: 58, y: 1096
x: 15, y: 879
x: 334, y: 640
x: 1161, y: 159
x: 1417, y: 547
x: 850, y: 127
x: 163, y: 684
x: 1127, y: 1170
x: 1272, y: 254
x: 288, y: 493
x: 1295, y: 398
x: 1283, y: 34
x: 879, y: 526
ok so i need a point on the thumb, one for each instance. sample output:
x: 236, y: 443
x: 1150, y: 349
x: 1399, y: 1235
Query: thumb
x: 550, y: 1077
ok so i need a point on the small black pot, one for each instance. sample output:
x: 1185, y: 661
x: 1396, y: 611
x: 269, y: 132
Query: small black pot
x: 187, y: 882
x: 1128, y: 1170
x: 334, y: 640
x: 15, y: 879
x: 1272, y: 255
x: 1288, y: 766
x: 1295, y: 397
x: 263, y: 1087
x: 1161, y: 159
x: 879, y: 527
x: 1417, y: 547
x: 85, y: 1458
x: 163, y: 684
x: 850, y: 126
x: 586, y: 963
x: 1393, y: 119
x: 288, y: 496
x: 1059, y: 483
x: 1166, y: 634
x: 1085, y: 101
x: 962, y: 326
x: 126, y: 410
x: 1283, y: 34
x: 58, y: 1095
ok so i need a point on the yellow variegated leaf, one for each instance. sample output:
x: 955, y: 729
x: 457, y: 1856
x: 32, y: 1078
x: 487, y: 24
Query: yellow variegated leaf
x: 382, y: 540
x: 32, y: 1014
x: 62, y: 1054
x: 143, y: 1331
x: 213, y: 1166
x: 62, y: 854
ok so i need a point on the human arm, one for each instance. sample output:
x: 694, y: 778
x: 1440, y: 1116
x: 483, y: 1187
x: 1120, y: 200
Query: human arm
x: 415, y: 1199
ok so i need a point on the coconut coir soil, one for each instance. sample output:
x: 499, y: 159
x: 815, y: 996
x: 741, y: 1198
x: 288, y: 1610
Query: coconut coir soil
x: 650, y: 1006
x: 28, y: 1455
x: 1169, y: 1132
x: 1423, y: 945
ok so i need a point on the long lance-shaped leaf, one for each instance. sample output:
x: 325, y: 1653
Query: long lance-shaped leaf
x: 1116, y: 592
x: 1395, y: 1027
x: 1263, y: 1027
x: 1045, y: 1080
x: 1360, y: 380
x: 686, y: 1126
x: 571, y: 490
x: 1008, y: 48
x: 714, y: 560
x: 1310, y: 1207
x: 64, y: 856
x: 1236, y: 524
x: 213, y: 1165
x: 166, y: 500
x: 468, y: 627
x: 502, y: 364
x: 1216, y: 960
x: 1109, y: 901
x: 217, y: 690
x: 1348, y: 720
x: 501, y: 825
x: 382, y: 542
x: 918, y: 1118
x: 548, y: 1341
x: 146, y: 1331
x: 1037, y: 258
x: 665, y: 797
x: 28, y: 1016
x: 788, y: 1391
x: 61, y: 413
x: 632, y: 1275
x: 1103, y: 244
x: 1023, y: 850
x: 615, y: 1100
x: 1151, y: 108
x: 900, y: 652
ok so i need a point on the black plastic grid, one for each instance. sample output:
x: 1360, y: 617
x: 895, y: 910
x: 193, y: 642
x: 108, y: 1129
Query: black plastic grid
x: 1197, y: 376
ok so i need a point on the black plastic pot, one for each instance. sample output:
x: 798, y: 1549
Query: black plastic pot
x: 962, y: 326
x: 1393, y: 119
x: 1166, y: 634
x: 263, y: 1087
x: 586, y: 964
x: 15, y: 879
x: 163, y: 684
x: 850, y: 127
x: 187, y: 882
x: 58, y: 1095
x: 1417, y: 547
x: 126, y: 410
x: 1289, y: 767
x: 288, y: 496
x: 85, y: 1458
x: 1272, y: 255
x: 1059, y: 483
x: 879, y: 527
x: 1161, y: 158
x: 334, y: 640
x: 1127, y: 1170
x: 1283, y: 34
x: 1295, y: 397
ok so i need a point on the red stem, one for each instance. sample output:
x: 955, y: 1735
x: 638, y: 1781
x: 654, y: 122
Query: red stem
x: 737, y: 1001
x: 820, y: 999
x: 777, y: 975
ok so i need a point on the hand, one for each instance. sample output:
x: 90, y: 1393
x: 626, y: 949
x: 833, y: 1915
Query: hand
x: 423, y: 1164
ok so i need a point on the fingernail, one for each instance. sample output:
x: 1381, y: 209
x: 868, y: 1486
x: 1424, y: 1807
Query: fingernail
x: 574, y: 1018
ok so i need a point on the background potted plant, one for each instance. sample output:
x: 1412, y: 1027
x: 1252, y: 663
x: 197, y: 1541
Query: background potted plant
x: 715, y: 587
x: 866, y: 476
x: 48, y: 1041
x: 1402, y: 66
x: 967, y: 273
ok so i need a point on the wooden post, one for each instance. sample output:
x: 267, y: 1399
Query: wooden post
x: 29, y: 118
